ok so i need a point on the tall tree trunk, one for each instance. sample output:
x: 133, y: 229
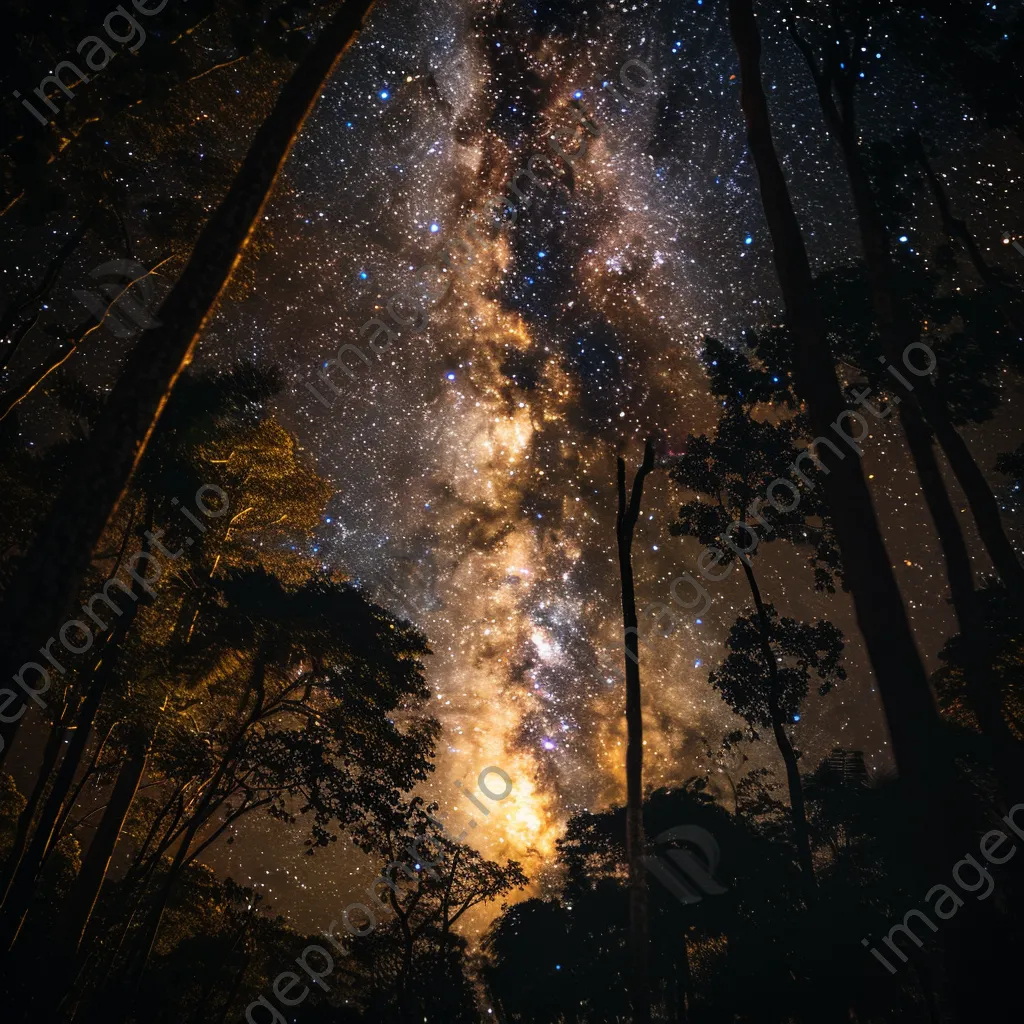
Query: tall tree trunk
x: 897, y: 327
x: 982, y: 502
x: 798, y: 811
x: 19, y: 894
x: 77, y: 910
x: 935, y: 803
x: 50, y: 576
x: 910, y: 709
x: 625, y: 524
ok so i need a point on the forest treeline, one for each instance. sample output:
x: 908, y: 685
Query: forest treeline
x: 249, y: 679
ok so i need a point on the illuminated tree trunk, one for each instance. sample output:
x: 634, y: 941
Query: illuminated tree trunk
x: 50, y: 575
x: 625, y: 523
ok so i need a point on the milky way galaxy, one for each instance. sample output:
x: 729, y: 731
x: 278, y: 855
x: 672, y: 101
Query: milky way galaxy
x: 474, y: 460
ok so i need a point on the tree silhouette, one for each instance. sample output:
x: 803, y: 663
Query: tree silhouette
x: 731, y: 475
x: 625, y: 524
x: 414, y: 964
x: 909, y: 706
x: 970, y: 357
x: 833, y: 54
x: 51, y: 573
x: 766, y: 678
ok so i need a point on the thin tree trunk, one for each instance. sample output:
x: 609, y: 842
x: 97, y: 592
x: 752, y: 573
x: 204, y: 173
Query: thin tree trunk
x: 81, y: 900
x: 138, y: 869
x: 51, y: 753
x: 625, y: 524
x: 897, y: 332
x: 205, y: 809
x: 684, y: 982
x: 19, y: 896
x: 72, y: 800
x: 983, y: 692
x: 980, y: 498
x: 10, y: 328
x: 50, y: 576
x: 798, y: 811
x: 903, y: 685
x: 956, y: 229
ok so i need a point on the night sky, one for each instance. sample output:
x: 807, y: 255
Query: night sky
x: 475, y: 461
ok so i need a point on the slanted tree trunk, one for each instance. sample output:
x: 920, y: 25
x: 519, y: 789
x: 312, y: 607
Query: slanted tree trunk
x: 205, y: 809
x: 51, y: 753
x: 72, y: 800
x: 77, y: 910
x: 86, y: 889
x: 50, y: 575
x: 19, y: 895
x: 625, y: 524
x: 798, y: 811
x: 983, y: 691
x: 897, y: 330
x: 980, y: 498
x: 910, y: 709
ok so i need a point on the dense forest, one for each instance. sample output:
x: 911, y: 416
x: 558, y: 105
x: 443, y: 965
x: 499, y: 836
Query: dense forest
x: 213, y: 667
